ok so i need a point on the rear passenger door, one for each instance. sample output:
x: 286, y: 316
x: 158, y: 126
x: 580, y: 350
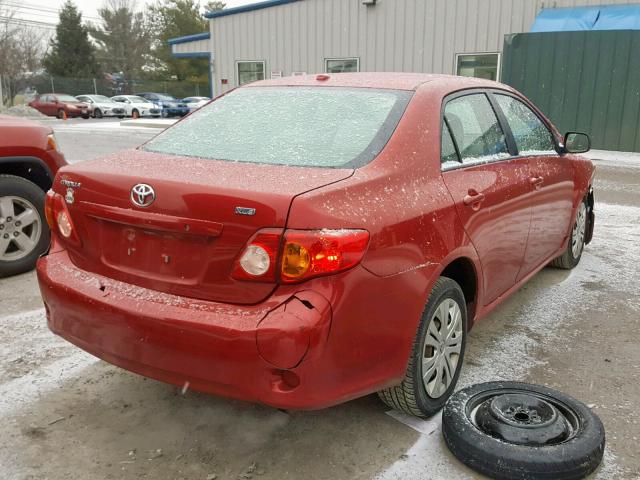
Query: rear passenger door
x: 551, y: 179
x: 489, y: 185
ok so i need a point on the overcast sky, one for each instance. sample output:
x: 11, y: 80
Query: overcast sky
x: 45, y: 10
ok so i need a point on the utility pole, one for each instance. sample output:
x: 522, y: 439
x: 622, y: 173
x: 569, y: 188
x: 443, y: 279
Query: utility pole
x: 1, y: 97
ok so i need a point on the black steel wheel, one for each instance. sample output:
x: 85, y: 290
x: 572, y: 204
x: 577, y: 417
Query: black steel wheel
x: 509, y: 430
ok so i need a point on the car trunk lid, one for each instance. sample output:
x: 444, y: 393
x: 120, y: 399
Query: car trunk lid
x: 186, y: 241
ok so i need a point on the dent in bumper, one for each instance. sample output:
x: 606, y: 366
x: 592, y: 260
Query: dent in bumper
x: 236, y: 351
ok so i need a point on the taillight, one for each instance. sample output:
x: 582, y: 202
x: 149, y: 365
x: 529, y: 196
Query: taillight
x: 49, y: 208
x: 58, y: 216
x: 313, y: 253
x: 305, y: 254
x: 259, y: 259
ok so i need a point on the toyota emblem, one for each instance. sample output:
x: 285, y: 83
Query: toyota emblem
x: 142, y: 195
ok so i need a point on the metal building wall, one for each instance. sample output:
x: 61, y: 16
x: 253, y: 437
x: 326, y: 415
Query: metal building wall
x: 393, y: 35
x: 584, y: 81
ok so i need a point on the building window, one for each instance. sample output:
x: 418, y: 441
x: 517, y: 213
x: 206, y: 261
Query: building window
x: 250, y: 72
x: 340, y: 65
x: 479, y: 65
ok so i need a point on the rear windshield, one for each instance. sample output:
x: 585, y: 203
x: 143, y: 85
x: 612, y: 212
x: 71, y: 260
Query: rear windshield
x: 302, y: 126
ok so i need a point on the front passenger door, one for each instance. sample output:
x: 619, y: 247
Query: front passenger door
x: 490, y: 188
x: 551, y: 178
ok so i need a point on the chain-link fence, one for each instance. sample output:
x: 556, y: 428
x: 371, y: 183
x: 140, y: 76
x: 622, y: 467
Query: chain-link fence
x: 21, y: 90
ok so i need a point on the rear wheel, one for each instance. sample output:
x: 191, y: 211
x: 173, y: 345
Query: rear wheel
x: 97, y: 113
x: 24, y: 234
x: 61, y: 115
x: 571, y: 257
x: 437, y: 354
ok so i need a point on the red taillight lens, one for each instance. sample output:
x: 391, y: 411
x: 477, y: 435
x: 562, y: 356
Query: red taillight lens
x: 58, y: 216
x: 305, y: 254
x: 258, y: 261
x: 49, y: 208
x: 312, y: 253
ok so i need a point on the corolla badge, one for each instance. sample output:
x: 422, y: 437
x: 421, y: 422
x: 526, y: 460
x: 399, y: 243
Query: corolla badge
x: 142, y: 195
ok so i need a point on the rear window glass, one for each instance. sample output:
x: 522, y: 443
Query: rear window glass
x: 318, y: 127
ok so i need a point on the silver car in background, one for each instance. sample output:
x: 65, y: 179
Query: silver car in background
x: 101, y: 106
x: 194, y: 103
x: 136, y: 107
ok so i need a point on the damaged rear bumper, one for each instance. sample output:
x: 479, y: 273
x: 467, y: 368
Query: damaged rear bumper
x: 258, y: 353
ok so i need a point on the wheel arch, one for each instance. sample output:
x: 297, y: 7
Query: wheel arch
x: 463, y: 271
x: 30, y: 168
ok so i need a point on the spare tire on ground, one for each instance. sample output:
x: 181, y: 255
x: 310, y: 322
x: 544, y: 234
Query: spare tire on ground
x: 512, y: 430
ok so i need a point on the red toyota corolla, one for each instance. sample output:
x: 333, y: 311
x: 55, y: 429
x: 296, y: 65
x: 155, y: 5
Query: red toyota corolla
x: 304, y: 241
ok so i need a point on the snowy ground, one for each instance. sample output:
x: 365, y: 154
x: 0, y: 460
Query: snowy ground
x: 67, y: 415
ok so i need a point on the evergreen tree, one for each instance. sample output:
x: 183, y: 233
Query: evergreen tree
x: 177, y: 18
x: 123, y: 38
x: 214, y: 6
x: 71, y: 53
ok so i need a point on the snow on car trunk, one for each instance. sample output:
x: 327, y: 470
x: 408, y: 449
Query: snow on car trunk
x: 202, y: 214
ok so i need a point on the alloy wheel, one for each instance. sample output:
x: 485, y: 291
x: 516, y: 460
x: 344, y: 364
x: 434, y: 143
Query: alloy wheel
x: 579, y: 229
x: 20, y: 228
x: 442, y: 348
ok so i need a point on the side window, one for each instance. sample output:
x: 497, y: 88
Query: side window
x: 448, y: 154
x: 475, y: 128
x: 531, y: 135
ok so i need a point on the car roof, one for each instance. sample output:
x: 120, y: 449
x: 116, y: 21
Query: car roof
x: 382, y: 80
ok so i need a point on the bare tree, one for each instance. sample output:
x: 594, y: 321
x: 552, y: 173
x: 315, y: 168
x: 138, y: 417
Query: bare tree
x: 21, y: 51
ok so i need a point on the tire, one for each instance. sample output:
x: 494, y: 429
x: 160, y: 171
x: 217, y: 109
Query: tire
x: 540, y: 449
x: 15, y: 258
x: 135, y: 114
x: 412, y: 395
x: 86, y: 117
x: 572, y: 255
x: 97, y: 113
x: 60, y: 114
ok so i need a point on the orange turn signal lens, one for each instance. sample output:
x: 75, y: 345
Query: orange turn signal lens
x: 296, y: 260
x: 313, y: 253
x: 52, y: 144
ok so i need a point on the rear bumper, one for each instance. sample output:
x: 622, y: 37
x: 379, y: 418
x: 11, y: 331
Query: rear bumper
x: 236, y: 351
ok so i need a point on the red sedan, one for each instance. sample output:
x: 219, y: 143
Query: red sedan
x: 60, y: 105
x: 305, y: 241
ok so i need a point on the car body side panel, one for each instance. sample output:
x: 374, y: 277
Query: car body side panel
x: 499, y: 226
x: 552, y: 207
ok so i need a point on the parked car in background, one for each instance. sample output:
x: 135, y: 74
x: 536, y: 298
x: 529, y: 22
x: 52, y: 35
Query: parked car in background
x: 60, y: 105
x: 171, y: 107
x: 338, y: 235
x: 29, y: 160
x: 136, y: 107
x: 101, y: 106
x: 194, y: 103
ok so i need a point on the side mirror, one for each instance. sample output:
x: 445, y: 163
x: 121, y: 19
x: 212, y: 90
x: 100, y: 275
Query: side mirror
x: 575, y: 142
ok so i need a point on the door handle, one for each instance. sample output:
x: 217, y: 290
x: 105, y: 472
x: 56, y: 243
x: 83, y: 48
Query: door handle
x: 473, y: 199
x: 536, y: 182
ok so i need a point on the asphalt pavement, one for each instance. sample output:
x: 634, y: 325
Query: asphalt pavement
x: 68, y: 415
